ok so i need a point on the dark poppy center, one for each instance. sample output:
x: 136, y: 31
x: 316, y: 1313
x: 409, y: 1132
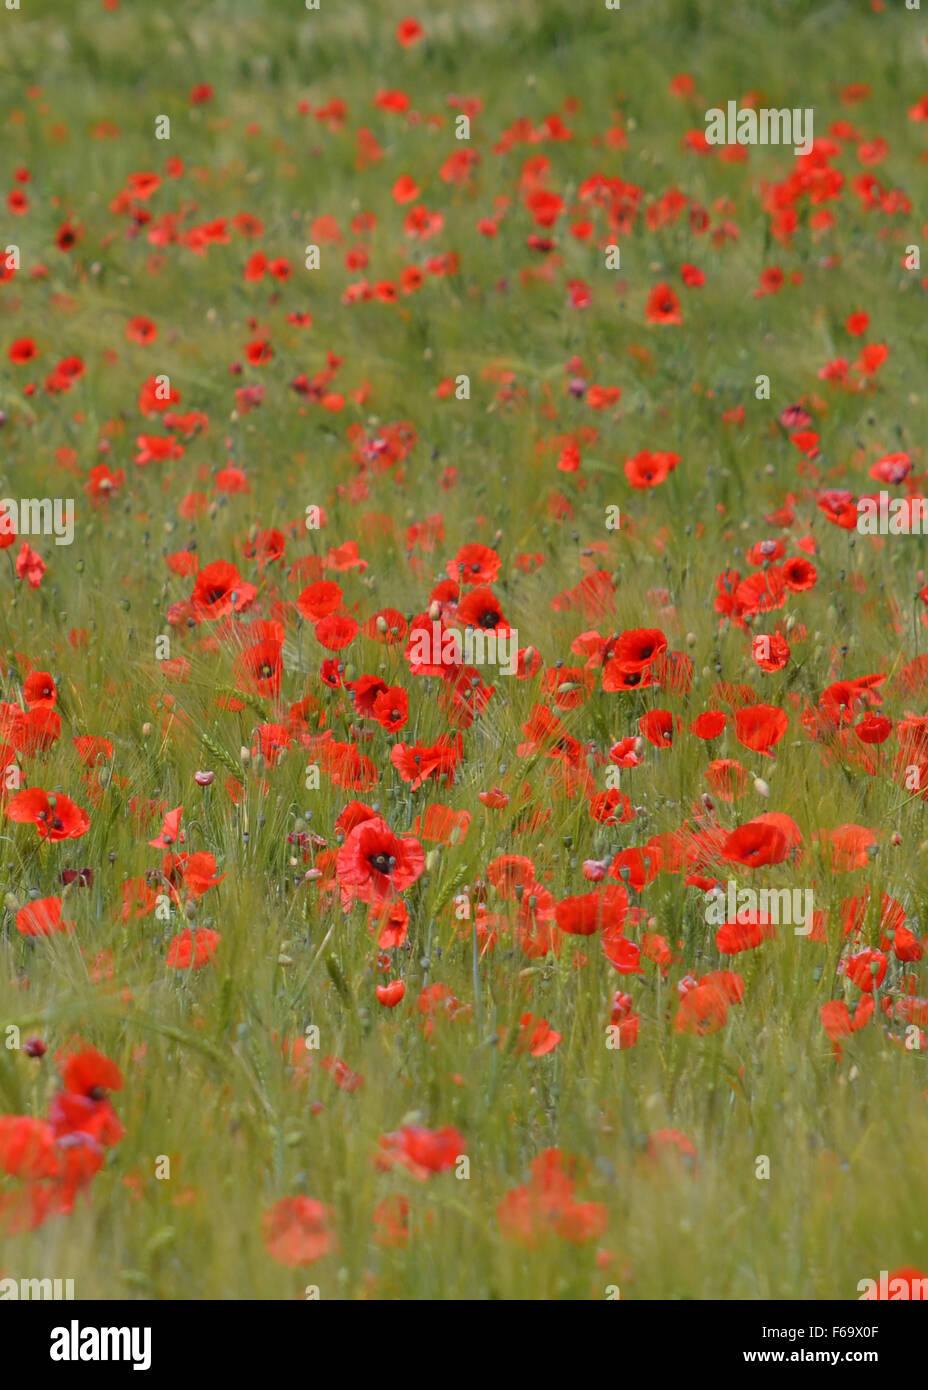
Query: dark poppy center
x: 214, y: 595
x: 97, y: 1093
x: 489, y: 618
x: 380, y: 862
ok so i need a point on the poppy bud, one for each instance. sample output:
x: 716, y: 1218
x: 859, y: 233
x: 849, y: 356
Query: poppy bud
x: 146, y: 731
x: 761, y: 787
x: 204, y: 779
x: 434, y: 610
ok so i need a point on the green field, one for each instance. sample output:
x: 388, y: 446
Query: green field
x: 444, y: 333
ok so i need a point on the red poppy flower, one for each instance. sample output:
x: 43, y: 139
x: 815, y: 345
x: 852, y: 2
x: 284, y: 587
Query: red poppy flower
x: 391, y: 1222
x: 734, y: 937
x: 39, y: 690
x: 546, y: 1206
x: 193, y: 948
x: 68, y: 235
x: 23, y: 350
x: 709, y: 724
x: 417, y: 762
x: 336, y: 631
x: 391, y: 708
x: 219, y: 590
x: 663, y: 305
x: 198, y: 872
x: 141, y: 330
x: 704, y: 1002
x: 727, y: 778
x: 421, y: 1151
x: 259, y: 668
x: 54, y: 815
x: 798, y: 574
x: 671, y: 1143
x: 509, y: 872
x: 344, y: 1078
x: 636, y: 648
x: 376, y: 864
x: 170, y: 832
x: 866, y: 970
x: 30, y: 566
x: 42, y: 917
x: 390, y: 995
x: 637, y: 867
x: 623, y: 955
x: 836, y: 1017
x: 364, y: 693
x: 756, y: 844
x: 388, y: 626
x: 848, y: 847
x: 623, y: 754
x: 760, y: 727
x: 648, y: 469
x: 658, y: 726
x: 408, y: 32
x: 442, y: 825
x: 389, y: 921
x: 536, y: 1036
x: 298, y: 1231
x: 474, y: 564
x: 611, y: 807
x: 481, y: 608
x: 27, y: 1147
x: 590, y: 912
x: 89, y: 1073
